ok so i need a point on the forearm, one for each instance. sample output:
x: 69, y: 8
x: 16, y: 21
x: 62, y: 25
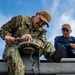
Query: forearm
x: 58, y: 44
x: 8, y: 28
x: 66, y: 45
x: 40, y: 39
x: 39, y: 42
x: 3, y: 33
x: 72, y: 45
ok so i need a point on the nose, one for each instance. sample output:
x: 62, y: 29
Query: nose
x: 41, y: 24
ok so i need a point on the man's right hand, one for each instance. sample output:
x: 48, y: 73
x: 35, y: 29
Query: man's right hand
x: 72, y: 45
x: 26, y: 37
x: 9, y: 39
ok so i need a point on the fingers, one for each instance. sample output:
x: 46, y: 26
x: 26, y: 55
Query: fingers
x: 26, y: 37
x: 9, y: 39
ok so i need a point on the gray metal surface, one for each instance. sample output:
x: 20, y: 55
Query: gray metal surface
x: 3, y: 67
x: 68, y: 60
x: 28, y: 62
x: 57, y: 68
x: 47, y: 68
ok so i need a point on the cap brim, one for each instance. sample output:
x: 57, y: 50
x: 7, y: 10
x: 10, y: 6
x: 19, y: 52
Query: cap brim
x: 47, y: 25
x: 66, y: 28
x: 42, y: 18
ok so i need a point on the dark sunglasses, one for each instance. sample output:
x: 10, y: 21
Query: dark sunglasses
x: 65, y: 29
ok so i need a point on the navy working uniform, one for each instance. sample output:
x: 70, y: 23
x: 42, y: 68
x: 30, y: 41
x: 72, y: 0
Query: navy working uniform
x: 16, y: 27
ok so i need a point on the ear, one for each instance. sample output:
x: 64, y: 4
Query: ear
x: 70, y: 31
x: 37, y: 13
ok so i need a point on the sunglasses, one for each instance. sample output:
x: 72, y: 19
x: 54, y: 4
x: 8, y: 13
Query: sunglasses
x: 64, y: 29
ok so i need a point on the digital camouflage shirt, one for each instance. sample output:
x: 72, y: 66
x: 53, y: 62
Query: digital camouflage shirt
x: 20, y: 25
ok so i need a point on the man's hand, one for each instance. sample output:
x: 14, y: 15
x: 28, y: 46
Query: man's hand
x: 26, y: 37
x: 9, y: 39
x: 72, y: 45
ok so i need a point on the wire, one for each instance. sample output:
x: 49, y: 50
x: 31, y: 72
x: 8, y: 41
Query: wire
x: 32, y: 63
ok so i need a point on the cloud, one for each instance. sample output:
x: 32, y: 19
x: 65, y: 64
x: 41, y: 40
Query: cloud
x: 4, y: 19
x: 45, y: 4
x: 57, y: 26
x: 54, y: 7
x: 2, y: 46
x: 68, y: 19
x: 62, y: 12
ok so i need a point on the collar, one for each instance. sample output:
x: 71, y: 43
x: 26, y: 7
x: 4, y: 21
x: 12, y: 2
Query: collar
x: 68, y: 38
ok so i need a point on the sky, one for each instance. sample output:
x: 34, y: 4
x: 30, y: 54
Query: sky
x: 62, y: 11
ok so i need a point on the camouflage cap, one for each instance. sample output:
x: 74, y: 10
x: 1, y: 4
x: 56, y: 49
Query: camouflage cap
x: 67, y: 26
x: 45, y: 16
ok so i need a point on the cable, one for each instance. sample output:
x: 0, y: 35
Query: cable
x: 32, y: 63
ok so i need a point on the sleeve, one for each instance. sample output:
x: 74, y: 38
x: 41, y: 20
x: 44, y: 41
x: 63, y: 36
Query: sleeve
x: 73, y: 38
x: 9, y: 27
x: 58, y: 42
x: 45, y: 47
x: 41, y: 39
x: 5, y: 30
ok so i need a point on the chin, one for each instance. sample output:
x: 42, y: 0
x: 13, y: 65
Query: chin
x: 66, y: 36
x: 36, y: 27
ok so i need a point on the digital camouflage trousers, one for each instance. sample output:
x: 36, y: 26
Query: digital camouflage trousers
x: 14, y: 60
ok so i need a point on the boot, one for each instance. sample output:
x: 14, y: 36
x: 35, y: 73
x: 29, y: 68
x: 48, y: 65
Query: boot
x: 57, y: 55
